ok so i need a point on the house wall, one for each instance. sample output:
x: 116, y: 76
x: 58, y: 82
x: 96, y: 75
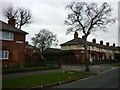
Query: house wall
x: 72, y: 47
x: 93, y: 48
x: 19, y: 37
x: 16, y: 50
x: 100, y: 53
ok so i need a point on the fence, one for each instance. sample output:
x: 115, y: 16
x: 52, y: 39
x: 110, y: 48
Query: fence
x: 52, y: 59
x: 41, y: 61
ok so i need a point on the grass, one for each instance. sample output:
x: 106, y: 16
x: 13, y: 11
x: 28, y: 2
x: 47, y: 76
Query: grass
x: 12, y: 70
x: 118, y: 64
x: 43, y: 79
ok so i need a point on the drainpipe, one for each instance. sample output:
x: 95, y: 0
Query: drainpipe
x: 89, y: 53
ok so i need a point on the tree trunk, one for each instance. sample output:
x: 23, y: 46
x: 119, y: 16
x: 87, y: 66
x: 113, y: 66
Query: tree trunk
x: 42, y: 49
x: 19, y: 27
x: 85, y: 56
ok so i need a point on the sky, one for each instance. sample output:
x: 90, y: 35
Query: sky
x: 51, y: 14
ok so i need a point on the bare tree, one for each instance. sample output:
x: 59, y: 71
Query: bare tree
x: 24, y: 16
x: 10, y: 12
x: 21, y: 15
x: 88, y: 18
x: 44, y: 39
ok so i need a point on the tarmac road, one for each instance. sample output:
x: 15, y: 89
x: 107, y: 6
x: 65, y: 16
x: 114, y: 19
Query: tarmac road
x: 107, y: 79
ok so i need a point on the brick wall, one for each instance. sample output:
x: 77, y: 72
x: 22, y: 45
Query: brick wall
x: 16, y: 51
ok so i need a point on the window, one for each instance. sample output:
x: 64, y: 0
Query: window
x: 6, y: 35
x: 92, y: 47
x: 19, y: 41
x: 4, y: 54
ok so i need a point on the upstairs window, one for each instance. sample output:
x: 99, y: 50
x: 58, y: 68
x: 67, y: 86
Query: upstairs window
x: 4, y: 54
x: 6, y: 35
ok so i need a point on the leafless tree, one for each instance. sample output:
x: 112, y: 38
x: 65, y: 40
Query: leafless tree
x: 44, y: 39
x: 21, y: 15
x: 88, y: 18
x: 9, y: 12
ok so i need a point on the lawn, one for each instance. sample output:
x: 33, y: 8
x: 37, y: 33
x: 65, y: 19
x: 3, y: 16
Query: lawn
x: 118, y: 64
x: 44, y: 79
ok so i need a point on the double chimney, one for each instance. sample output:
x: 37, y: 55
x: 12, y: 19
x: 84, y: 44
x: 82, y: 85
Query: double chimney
x: 94, y: 41
x: 12, y: 21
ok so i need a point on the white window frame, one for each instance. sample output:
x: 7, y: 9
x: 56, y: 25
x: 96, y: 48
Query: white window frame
x: 4, y: 54
x: 19, y: 42
x: 9, y: 36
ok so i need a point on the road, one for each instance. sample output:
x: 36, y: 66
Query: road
x: 107, y: 79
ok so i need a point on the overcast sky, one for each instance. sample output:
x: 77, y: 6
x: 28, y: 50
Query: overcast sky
x: 50, y: 14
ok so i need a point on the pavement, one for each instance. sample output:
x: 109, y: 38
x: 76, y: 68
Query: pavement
x: 94, y: 68
x: 107, y: 79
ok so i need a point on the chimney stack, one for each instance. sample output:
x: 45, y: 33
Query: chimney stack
x: 26, y: 43
x: 107, y: 44
x: 84, y: 37
x: 75, y: 35
x: 11, y: 21
x: 113, y: 44
x: 94, y: 40
x: 101, y: 42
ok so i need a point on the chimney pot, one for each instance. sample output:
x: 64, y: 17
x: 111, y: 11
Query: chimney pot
x: 84, y: 37
x: 101, y: 42
x: 11, y: 21
x: 75, y: 35
x: 113, y: 44
x: 107, y: 44
x: 94, y: 40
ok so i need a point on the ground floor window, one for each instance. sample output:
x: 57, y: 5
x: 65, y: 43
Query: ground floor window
x: 4, y: 54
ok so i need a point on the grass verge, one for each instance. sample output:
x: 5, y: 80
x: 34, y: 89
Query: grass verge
x: 114, y: 64
x: 25, y: 69
x: 44, y: 79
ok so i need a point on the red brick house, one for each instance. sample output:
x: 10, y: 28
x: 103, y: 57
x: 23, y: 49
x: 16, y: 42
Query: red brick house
x: 12, y: 51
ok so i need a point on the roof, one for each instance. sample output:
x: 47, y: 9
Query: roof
x: 81, y: 41
x: 7, y: 27
x: 74, y: 42
x: 30, y: 47
x: 52, y: 50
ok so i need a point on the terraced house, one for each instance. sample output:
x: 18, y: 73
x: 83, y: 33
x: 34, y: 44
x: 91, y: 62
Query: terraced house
x: 12, y: 51
x: 97, y: 52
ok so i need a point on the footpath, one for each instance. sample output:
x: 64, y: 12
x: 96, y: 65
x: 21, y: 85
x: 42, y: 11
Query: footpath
x: 94, y: 68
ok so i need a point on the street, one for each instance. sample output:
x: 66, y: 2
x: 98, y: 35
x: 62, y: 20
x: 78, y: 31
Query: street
x: 107, y: 79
